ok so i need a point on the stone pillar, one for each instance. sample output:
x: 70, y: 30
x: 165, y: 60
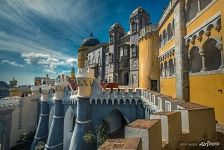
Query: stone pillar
x: 181, y: 56
x: 203, y: 68
x: 174, y: 67
x: 55, y: 137
x: 219, y: 45
x: 42, y: 128
x: 84, y: 123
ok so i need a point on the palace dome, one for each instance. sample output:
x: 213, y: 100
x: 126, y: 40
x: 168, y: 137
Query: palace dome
x: 90, y: 41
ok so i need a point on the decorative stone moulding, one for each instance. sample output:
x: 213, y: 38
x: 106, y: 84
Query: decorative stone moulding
x: 167, y: 11
x: 199, y: 38
x: 170, y: 53
x: 218, y: 28
x: 208, y: 33
x: 219, y: 45
x: 213, y: 22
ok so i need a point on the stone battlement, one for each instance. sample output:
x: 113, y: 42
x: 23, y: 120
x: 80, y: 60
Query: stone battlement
x: 35, y: 88
x: 116, y: 96
x: 174, y: 128
x: 85, y: 73
x: 61, y: 81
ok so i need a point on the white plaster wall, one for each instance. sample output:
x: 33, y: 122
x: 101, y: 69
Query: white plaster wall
x: 28, y: 120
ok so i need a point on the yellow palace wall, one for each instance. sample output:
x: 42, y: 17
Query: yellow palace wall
x: 148, y: 60
x: 204, y: 87
x: 167, y: 84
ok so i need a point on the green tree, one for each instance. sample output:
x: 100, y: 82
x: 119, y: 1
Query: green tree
x: 89, y: 137
x: 40, y: 146
x: 24, y: 141
x: 102, y: 131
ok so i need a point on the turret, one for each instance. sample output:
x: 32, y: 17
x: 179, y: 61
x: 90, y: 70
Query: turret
x: 55, y: 137
x: 60, y: 84
x: 115, y: 32
x: 83, y: 123
x: 138, y: 20
x: 85, y: 79
x: 13, y: 82
x: 45, y: 89
x: 42, y: 129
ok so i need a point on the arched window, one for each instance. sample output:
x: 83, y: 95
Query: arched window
x: 110, y: 79
x: 164, y: 37
x: 126, y: 78
x: 169, y: 31
x: 173, y: 27
x: 99, y: 60
x: 94, y: 60
x: 134, y: 27
x: 111, y: 39
x: 134, y: 50
x: 160, y: 41
x: 171, y: 67
x: 204, y: 3
x: 165, y: 69
x: 195, y: 60
x: 121, y: 52
x: 212, y: 55
x: 192, y: 7
x: 133, y: 79
x: 161, y: 70
x: 125, y: 52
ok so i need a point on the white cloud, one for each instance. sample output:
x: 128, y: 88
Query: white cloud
x: 49, y: 62
x: 13, y: 63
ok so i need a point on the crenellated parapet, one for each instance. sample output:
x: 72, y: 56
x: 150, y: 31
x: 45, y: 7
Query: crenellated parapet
x: 85, y: 79
x: 159, y: 102
x: 35, y: 90
x: 117, y: 96
x: 59, y: 87
x: 175, y: 129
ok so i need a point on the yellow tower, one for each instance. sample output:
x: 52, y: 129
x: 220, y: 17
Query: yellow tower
x: 83, y: 50
x: 148, y: 58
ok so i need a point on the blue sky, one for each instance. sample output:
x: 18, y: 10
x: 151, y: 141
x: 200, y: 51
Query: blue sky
x: 39, y: 37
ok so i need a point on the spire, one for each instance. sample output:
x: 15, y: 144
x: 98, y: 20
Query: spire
x: 91, y: 34
x: 73, y: 73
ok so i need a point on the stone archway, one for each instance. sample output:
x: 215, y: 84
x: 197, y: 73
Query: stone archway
x: 117, y: 121
x: 212, y: 55
x: 126, y: 78
x: 192, y: 9
x: 195, y: 60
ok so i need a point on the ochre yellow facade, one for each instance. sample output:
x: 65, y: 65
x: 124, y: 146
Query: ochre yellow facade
x: 203, y: 41
x: 148, y: 61
x: 82, y: 54
x: 208, y: 90
x: 167, y: 82
x: 206, y: 87
x: 168, y: 86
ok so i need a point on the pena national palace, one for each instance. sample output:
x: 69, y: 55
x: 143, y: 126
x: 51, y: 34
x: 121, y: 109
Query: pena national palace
x: 154, y: 87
